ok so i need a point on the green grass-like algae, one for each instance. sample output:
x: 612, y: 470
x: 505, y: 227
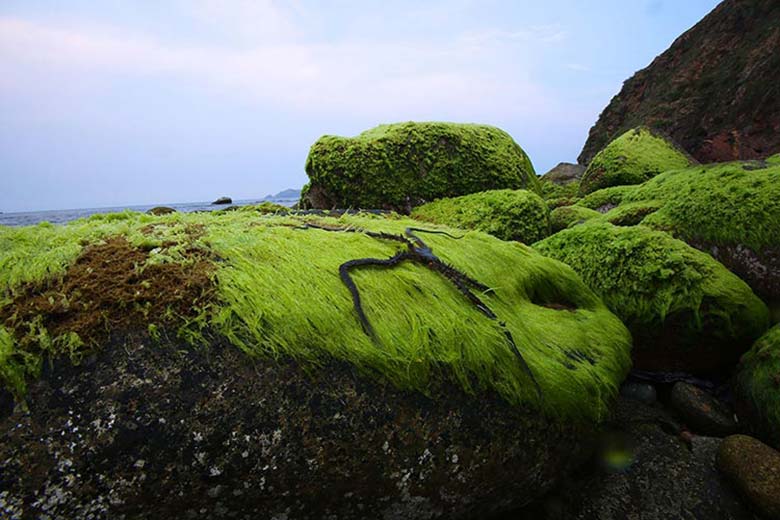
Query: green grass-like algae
x: 645, y: 276
x: 632, y: 158
x: 507, y: 214
x: 757, y: 385
x: 399, y: 166
x: 279, y: 295
x: 565, y: 216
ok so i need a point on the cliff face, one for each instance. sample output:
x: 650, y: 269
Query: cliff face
x: 716, y: 90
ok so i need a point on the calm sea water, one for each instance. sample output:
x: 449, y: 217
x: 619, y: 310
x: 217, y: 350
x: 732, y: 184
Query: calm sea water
x: 61, y: 216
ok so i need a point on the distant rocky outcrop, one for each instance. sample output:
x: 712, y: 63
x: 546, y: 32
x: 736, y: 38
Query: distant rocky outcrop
x: 715, y: 91
x: 564, y: 173
x: 223, y: 200
x: 288, y: 194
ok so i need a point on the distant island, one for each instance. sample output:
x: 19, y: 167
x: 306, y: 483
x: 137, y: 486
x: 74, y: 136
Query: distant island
x: 288, y: 194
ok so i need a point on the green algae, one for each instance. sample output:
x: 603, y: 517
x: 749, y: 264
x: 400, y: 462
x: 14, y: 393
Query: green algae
x: 774, y: 159
x: 551, y: 190
x: 565, y: 216
x: 506, y: 214
x: 278, y: 294
x: 632, y: 158
x: 645, y: 276
x: 399, y: 166
x: 757, y: 385
x: 605, y: 199
x: 729, y: 203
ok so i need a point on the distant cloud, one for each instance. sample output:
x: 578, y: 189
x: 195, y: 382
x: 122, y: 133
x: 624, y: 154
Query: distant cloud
x: 536, y: 34
x: 654, y: 6
x: 375, y: 78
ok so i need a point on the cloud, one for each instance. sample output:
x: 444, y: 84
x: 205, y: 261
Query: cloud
x: 378, y: 79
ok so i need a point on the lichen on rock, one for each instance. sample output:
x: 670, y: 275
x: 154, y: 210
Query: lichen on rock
x: 506, y: 214
x: 400, y: 166
x: 685, y: 310
x: 634, y: 157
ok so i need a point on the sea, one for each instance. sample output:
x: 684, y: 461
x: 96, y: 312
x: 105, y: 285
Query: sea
x: 61, y: 216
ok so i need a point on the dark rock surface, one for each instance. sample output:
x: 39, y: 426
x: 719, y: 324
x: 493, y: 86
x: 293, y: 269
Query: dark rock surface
x: 223, y: 200
x: 754, y: 469
x: 646, y: 471
x: 716, y: 90
x: 160, y: 210
x: 160, y: 431
x: 703, y: 413
x: 564, y: 173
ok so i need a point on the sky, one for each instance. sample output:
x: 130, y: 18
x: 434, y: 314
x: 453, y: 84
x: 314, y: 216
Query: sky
x: 123, y: 102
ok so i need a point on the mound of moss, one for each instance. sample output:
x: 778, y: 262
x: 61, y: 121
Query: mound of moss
x: 400, y: 166
x: 757, y: 387
x: 634, y: 157
x: 564, y: 216
x: 730, y: 210
x: 774, y: 159
x: 271, y: 285
x: 507, y: 214
x: 685, y: 310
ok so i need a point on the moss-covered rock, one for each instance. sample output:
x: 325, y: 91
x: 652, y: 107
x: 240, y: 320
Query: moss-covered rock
x: 757, y: 387
x: 774, y: 159
x: 632, y: 158
x: 400, y: 166
x: 290, y: 388
x: 564, y: 216
x: 605, y: 199
x: 685, y: 310
x: 730, y: 210
x: 507, y: 214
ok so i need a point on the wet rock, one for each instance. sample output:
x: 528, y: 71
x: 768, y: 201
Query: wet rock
x: 223, y: 200
x: 646, y: 471
x: 643, y: 392
x: 754, y: 469
x: 160, y: 210
x: 167, y: 431
x: 564, y: 173
x: 701, y: 411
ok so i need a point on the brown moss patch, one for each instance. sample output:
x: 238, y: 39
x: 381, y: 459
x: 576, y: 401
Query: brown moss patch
x: 110, y: 288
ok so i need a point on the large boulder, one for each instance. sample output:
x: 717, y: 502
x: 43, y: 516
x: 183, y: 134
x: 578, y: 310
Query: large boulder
x: 757, y: 387
x: 753, y: 468
x: 645, y: 470
x: 507, y: 214
x: 565, y: 216
x: 400, y: 166
x: 243, y: 365
x: 634, y: 157
x: 713, y: 90
x: 731, y: 211
x: 685, y: 311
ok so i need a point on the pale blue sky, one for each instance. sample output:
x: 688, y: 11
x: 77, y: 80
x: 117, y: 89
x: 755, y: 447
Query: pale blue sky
x: 134, y: 102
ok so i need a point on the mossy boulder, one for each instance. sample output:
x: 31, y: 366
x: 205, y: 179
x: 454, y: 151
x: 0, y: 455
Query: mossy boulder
x: 757, y: 387
x: 400, y: 166
x: 224, y: 369
x: 634, y: 157
x: 507, y: 214
x: 685, y: 310
x: 565, y: 216
x: 731, y: 211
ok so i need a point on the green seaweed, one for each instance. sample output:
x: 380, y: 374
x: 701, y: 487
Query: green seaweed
x: 645, y: 276
x: 632, y: 158
x: 757, y: 385
x: 729, y: 203
x: 565, y: 216
x: 279, y: 294
x: 400, y: 166
x: 507, y: 214
x: 605, y: 199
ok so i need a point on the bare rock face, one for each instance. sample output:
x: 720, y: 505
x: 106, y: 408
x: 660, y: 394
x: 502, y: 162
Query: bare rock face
x: 164, y: 431
x: 716, y: 90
